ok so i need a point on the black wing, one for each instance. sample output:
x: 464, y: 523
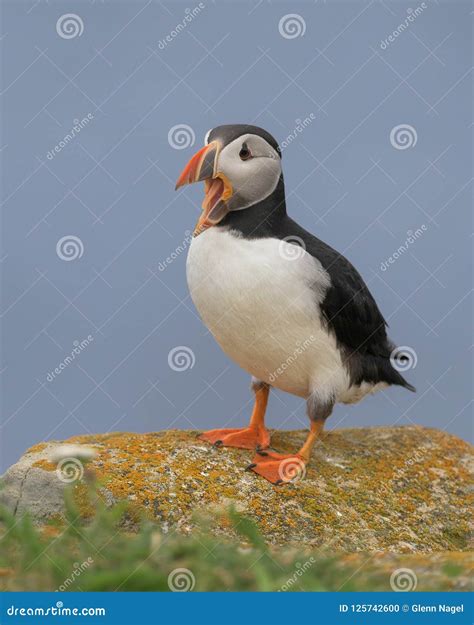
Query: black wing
x: 353, y: 315
x: 348, y: 308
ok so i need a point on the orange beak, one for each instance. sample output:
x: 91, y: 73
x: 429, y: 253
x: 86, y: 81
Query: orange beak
x: 202, y: 167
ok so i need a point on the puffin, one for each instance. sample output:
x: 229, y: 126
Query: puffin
x: 285, y: 306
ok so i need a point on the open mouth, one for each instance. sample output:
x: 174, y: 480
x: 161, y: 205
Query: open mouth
x: 217, y: 188
x: 214, y: 208
x: 214, y: 190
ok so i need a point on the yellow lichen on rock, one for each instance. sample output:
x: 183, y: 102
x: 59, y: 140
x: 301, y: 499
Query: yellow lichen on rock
x: 402, y: 489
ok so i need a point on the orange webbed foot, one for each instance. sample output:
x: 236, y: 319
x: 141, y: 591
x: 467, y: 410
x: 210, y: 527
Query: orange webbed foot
x: 278, y: 468
x: 243, y: 438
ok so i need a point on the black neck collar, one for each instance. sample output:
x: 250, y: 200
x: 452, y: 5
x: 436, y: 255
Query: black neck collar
x: 262, y: 219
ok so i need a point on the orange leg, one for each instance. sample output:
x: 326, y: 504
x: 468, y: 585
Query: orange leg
x: 282, y: 468
x: 251, y: 437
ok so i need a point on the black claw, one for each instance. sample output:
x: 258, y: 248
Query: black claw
x: 261, y: 452
x: 279, y: 482
x: 251, y: 466
x: 218, y: 444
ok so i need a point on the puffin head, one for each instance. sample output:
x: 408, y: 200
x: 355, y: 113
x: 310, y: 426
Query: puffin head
x: 240, y: 166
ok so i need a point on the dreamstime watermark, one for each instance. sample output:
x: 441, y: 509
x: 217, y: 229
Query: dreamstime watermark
x: 418, y: 456
x: 181, y: 358
x: 412, y: 14
x: 412, y: 236
x: 403, y: 137
x: 70, y: 470
x: 79, y: 568
x: 292, y: 469
x: 78, y: 348
x: 301, y: 569
x: 182, y: 247
x: 69, y: 248
x: 292, y: 26
x: 414, y: 464
x: 403, y: 580
x: 70, y: 26
x: 300, y: 126
x: 190, y: 15
x: 292, y: 248
x: 403, y: 358
x: 78, y: 125
x: 55, y: 610
x: 300, y: 349
x: 181, y: 580
x: 70, y: 461
x: 181, y: 136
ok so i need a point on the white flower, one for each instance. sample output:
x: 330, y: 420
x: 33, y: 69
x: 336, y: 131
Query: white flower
x: 81, y: 452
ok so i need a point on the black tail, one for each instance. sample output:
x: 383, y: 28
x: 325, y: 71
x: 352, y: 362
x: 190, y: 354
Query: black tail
x: 402, y: 382
x: 400, y: 360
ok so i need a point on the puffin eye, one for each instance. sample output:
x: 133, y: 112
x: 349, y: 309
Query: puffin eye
x: 245, y: 153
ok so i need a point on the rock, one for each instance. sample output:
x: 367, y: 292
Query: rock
x: 401, y: 489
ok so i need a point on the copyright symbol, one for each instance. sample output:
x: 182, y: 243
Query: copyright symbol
x: 405, y: 607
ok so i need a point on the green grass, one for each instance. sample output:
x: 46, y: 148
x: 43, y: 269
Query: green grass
x: 99, y: 555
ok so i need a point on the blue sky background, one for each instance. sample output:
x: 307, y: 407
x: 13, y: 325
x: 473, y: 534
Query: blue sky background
x: 111, y: 188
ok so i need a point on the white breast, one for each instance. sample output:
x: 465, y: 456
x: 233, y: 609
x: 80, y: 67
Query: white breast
x: 260, y: 300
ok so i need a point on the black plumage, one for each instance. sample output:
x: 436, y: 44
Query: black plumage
x: 250, y: 302
x: 349, y: 308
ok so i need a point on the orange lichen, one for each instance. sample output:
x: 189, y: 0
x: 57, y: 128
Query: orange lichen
x: 369, y: 488
x: 37, y: 448
x: 47, y: 465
